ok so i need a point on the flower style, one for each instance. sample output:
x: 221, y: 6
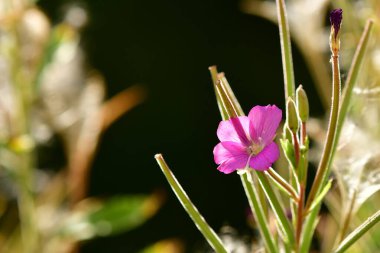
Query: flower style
x: 248, y: 141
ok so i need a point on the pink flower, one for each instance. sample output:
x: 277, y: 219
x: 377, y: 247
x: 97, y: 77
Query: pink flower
x: 248, y: 141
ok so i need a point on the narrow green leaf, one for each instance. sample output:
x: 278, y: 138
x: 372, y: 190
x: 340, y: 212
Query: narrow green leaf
x: 358, y: 232
x: 286, y: 50
x: 113, y: 216
x: 231, y: 94
x: 283, y: 221
x: 281, y: 184
x: 214, y: 76
x: 288, y: 149
x: 258, y: 213
x: 227, y: 102
x: 281, y: 188
x: 309, y: 229
x: 321, y: 195
x: 210, y: 235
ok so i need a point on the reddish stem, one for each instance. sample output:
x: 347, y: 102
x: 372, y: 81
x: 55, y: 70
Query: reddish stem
x: 296, y: 148
x: 303, y: 133
x: 300, y: 214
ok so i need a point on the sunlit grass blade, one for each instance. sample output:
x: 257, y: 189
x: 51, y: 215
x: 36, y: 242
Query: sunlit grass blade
x: 358, y: 232
x: 210, y: 235
x: 286, y: 49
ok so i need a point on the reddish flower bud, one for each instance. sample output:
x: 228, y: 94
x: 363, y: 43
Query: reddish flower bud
x: 336, y: 17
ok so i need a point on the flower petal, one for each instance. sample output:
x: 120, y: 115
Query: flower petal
x: 231, y: 130
x: 265, y: 159
x: 263, y: 123
x: 227, y: 150
x: 234, y: 163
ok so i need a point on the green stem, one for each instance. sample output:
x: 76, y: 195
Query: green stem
x: 296, y: 146
x: 299, y: 221
x: 25, y: 178
x: 309, y: 228
x: 311, y: 221
x: 352, y: 77
x: 282, y: 184
x: 347, y: 217
x: 293, y: 205
x: 286, y: 50
x: 283, y: 221
x: 358, y: 232
x: 258, y: 212
x: 26, y: 205
x: 302, y: 168
x: 323, y: 168
x: 210, y: 235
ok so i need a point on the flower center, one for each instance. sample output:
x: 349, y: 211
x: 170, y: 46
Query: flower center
x: 255, y: 148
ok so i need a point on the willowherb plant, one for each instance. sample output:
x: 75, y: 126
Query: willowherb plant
x: 247, y: 145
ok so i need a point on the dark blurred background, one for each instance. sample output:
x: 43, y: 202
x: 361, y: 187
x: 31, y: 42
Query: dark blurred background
x: 167, y: 46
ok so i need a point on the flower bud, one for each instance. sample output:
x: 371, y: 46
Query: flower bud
x: 291, y: 116
x: 302, y: 104
x: 286, y: 134
x: 336, y: 21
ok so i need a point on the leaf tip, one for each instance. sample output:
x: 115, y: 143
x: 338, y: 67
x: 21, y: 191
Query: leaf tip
x: 158, y: 156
